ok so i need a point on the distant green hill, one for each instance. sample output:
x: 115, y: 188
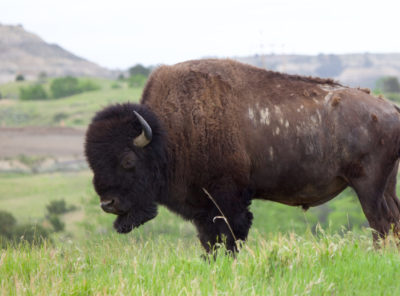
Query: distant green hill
x: 76, y: 110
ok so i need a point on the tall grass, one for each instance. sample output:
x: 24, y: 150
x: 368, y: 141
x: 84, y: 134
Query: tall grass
x: 163, y: 257
x: 277, y: 265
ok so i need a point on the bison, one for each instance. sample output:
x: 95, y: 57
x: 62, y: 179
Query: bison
x: 241, y: 133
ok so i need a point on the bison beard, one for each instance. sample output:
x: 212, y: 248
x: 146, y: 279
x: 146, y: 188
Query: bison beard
x: 134, y: 218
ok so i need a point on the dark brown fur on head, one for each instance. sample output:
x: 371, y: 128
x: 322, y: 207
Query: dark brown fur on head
x: 136, y: 188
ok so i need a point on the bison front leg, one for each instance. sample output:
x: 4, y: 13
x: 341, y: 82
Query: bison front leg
x: 213, y: 229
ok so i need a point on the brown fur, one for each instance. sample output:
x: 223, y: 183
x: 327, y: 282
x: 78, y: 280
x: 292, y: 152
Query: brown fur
x: 204, y: 105
x: 335, y: 101
x: 242, y: 132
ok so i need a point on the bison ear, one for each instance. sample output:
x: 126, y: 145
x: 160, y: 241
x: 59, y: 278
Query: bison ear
x: 146, y: 135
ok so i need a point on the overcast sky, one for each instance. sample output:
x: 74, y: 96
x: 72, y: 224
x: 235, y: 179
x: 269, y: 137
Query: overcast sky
x: 118, y: 34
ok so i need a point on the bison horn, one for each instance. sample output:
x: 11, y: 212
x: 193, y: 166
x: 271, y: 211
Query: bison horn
x: 145, y: 137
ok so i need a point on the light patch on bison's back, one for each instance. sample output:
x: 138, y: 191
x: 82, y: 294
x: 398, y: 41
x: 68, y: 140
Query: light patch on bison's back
x: 287, y: 124
x: 265, y: 116
x: 328, y: 97
x: 330, y: 88
x: 279, y: 114
x: 251, y: 114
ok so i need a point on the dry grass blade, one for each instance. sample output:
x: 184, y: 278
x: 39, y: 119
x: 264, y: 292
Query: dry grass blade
x: 2, y: 257
x: 223, y: 217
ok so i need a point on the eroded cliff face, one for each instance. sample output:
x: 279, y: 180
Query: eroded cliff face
x: 22, y: 52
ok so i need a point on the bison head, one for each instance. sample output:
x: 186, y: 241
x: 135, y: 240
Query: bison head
x: 125, y: 149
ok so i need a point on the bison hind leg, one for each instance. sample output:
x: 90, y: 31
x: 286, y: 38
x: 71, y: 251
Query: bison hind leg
x: 394, y: 215
x: 393, y: 202
x: 377, y: 195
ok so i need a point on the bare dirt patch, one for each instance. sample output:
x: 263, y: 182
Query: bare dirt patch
x: 41, y: 149
x: 41, y: 141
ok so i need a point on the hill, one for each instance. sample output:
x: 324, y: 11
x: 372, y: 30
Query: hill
x: 350, y: 69
x: 22, y: 52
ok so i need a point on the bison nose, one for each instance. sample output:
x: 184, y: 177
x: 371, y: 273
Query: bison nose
x: 108, y: 206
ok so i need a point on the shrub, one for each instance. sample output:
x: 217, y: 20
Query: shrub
x: 88, y: 85
x: 137, y: 80
x: 7, y: 224
x: 389, y: 84
x: 12, y: 233
x: 19, y: 77
x: 56, y: 222
x: 58, y: 117
x: 30, y: 233
x: 57, y: 207
x: 68, y: 86
x: 395, y: 97
x: 42, y: 77
x: 114, y: 85
x: 30, y: 161
x: 139, y: 70
x: 65, y: 86
x: 78, y: 121
x: 33, y: 92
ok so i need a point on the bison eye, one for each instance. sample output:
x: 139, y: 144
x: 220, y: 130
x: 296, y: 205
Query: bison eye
x: 128, y: 161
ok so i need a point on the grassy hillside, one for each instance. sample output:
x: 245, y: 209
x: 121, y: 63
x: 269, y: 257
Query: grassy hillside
x: 75, y: 110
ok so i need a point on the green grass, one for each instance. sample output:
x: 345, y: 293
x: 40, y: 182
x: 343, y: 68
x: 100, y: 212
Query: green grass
x: 76, y: 110
x: 163, y: 256
x: 277, y: 265
x: 26, y: 196
x: 10, y: 90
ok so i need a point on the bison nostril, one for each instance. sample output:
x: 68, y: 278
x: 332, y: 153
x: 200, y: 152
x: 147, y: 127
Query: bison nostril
x: 107, y: 205
x: 111, y: 206
x: 107, y: 202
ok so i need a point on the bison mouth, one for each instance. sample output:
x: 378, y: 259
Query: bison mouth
x: 132, y: 219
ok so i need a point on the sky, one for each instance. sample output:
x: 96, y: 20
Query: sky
x: 118, y: 34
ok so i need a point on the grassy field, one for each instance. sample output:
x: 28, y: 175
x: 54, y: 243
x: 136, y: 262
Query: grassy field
x: 148, y: 265
x: 76, y: 110
x: 163, y: 257
x: 26, y: 196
